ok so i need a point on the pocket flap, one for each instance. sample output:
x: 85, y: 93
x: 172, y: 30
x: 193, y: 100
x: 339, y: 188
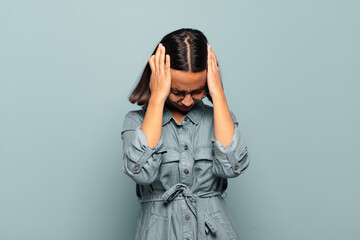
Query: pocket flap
x: 204, y: 153
x: 171, y: 155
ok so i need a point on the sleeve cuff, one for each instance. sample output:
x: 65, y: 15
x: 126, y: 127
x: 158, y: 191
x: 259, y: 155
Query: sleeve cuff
x: 236, y: 150
x: 140, y: 143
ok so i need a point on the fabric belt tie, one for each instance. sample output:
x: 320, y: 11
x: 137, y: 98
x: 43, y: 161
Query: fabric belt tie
x: 203, y: 221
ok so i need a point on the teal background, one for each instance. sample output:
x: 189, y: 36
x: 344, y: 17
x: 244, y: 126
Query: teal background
x: 291, y: 75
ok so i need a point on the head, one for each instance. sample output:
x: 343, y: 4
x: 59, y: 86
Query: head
x: 188, y: 63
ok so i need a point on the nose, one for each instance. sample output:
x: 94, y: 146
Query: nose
x: 188, y: 100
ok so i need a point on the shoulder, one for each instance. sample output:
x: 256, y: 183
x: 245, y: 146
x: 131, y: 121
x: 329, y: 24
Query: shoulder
x: 134, y: 117
x: 208, y: 111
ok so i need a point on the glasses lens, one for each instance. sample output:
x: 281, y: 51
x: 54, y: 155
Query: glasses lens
x: 198, y: 95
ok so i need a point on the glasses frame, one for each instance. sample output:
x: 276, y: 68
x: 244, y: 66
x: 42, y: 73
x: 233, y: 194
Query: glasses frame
x: 184, y: 93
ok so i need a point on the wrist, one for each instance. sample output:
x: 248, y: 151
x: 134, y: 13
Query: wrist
x: 156, y: 100
x: 218, y: 95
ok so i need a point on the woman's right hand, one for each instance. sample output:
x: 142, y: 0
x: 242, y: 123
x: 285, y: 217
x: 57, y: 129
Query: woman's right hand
x: 160, y: 79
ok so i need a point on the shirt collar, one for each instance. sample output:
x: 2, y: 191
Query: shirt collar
x: 194, y: 114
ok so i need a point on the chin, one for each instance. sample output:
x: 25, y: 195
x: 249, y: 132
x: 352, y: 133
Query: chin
x: 185, y: 110
x: 177, y: 107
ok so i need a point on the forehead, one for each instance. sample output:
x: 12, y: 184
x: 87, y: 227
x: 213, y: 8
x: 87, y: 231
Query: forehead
x: 181, y: 80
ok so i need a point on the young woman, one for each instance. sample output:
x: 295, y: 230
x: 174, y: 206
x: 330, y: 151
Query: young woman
x: 179, y: 150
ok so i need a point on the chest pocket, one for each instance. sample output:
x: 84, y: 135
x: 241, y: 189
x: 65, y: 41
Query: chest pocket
x: 203, y: 159
x: 203, y: 164
x: 169, y: 168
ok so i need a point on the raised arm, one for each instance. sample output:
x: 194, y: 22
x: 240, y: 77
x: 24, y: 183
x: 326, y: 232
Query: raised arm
x: 142, y: 139
x: 160, y: 83
x: 231, y: 157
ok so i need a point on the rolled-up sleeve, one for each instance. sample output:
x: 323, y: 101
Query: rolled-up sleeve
x: 141, y: 162
x: 232, y: 160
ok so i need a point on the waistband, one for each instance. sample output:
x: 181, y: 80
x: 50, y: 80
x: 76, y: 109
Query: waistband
x: 160, y: 197
x: 182, y: 192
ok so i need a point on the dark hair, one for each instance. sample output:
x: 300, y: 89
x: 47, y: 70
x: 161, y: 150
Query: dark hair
x: 188, y: 52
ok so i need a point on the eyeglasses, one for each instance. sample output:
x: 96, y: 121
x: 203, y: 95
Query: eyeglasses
x: 196, y: 94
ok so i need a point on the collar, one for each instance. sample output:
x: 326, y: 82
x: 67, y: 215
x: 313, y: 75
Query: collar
x: 194, y: 114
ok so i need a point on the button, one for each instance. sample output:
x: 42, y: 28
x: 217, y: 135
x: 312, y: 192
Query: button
x: 187, y: 217
x: 136, y: 168
x: 185, y: 118
x: 186, y: 171
x: 186, y: 147
x: 236, y: 167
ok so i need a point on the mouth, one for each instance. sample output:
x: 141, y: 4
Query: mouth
x: 183, y: 108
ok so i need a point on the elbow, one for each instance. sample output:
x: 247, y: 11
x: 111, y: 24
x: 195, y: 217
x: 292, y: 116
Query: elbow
x: 227, y: 170
x: 139, y: 175
x: 243, y: 164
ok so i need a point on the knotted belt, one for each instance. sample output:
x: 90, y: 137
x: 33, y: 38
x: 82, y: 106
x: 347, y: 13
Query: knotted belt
x: 204, y: 223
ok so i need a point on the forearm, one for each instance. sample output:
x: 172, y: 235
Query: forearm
x: 223, y: 123
x: 152, y: 123
x: 231, y: 157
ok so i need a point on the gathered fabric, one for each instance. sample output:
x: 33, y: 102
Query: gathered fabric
x: 191, y: 200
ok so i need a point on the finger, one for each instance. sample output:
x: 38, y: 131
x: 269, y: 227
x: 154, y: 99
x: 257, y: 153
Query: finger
x: 208, y: 57
x: 157, y: 55
x: 162, y: 60
x: 215, y: 59
x: 151, y: 63
x: 211, y: 60
x: 167, y: 64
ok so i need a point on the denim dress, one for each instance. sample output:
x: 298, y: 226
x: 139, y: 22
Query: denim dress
x: 181, y: 180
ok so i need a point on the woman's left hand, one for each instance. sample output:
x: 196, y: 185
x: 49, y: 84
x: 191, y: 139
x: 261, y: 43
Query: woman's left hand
x: 213, y: 74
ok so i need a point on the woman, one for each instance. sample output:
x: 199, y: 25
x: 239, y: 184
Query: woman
x: 177, y: 149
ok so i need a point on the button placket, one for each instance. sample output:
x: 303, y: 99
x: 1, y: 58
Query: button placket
x: 185, y: 164
x: 186, y: 124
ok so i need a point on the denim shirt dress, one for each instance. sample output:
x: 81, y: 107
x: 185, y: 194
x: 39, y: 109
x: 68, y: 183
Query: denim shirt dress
x: 180, y: 181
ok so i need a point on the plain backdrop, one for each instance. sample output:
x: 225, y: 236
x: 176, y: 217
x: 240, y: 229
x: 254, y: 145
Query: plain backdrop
x: 291, y: 76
